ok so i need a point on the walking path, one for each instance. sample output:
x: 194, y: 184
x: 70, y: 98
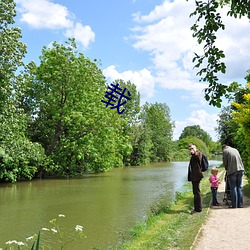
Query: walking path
x: 225, y: 228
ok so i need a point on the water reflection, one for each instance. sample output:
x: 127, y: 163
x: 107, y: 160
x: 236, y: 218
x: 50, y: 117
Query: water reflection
x: 104, y: 204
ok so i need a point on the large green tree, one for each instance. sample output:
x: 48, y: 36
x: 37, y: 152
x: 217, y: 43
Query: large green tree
x: 68, y: 118
x: 196, y: 131
x: 19, y: 157
x: 12, y: 51
x: 156, y: 120
x: 184, y: 142
x: 130, y: 120
x: 205, y: 29
x: 227, y: 127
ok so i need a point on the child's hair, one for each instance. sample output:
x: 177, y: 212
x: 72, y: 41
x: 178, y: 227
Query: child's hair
x: 214, y: 170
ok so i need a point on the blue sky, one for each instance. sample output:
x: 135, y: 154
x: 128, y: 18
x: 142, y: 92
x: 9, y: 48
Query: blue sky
x: 148, y: 42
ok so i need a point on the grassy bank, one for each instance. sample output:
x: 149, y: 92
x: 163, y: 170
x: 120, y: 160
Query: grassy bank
x: 170, y: 227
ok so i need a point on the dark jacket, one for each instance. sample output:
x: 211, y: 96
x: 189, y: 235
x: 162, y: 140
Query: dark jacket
x: 194, y: 168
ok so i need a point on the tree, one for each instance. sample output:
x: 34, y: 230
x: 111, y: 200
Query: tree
x: 242, y: 117
x: 68, y: 118
x: 196, y: 131
x: 227, y: 127
x: 157, y: 122
x: 20, y: 158
x: 184, y: 142
x: 12, y: 50
x: 229, y: 130
x: 208, y: 23
x: 130, y: 121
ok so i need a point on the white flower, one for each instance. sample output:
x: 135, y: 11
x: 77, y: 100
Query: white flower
x: 54, y: 230
x: 29, y: 238
x: 45, y: 229
x: 10, y: 242
x: 78, y: 228
x: 61, y: 215
x: 20, y: 243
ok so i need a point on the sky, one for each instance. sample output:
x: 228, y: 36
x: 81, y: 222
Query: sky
x: 147, y: 42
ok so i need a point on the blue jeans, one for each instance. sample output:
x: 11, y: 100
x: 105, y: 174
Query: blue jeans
x: 235, y: 182
x: 214, y: 196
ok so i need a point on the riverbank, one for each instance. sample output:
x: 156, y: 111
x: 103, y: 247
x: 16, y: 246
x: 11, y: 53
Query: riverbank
x: 173, y: 227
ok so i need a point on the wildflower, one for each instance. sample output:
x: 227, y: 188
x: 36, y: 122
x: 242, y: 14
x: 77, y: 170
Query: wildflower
x: 29, y: 238
x: 61, y: 215
x: 10, y: 242
x: 54, y: 230
x: 78, y: 228
x: 20, y: 243
x: 45, y: 229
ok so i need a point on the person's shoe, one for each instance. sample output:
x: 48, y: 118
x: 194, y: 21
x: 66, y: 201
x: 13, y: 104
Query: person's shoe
x: 241, y: 206
x: 194, y: 212
x: 231, y: 206
x: 217, y: 204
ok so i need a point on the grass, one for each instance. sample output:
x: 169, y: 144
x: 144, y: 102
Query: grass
x: 170, y: 226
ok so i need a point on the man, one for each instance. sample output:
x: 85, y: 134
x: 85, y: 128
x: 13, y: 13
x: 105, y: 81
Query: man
x: 235, y: 169
x: 195, y: 175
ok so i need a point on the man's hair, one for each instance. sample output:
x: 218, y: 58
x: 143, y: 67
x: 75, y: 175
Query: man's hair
x: 224, y: 146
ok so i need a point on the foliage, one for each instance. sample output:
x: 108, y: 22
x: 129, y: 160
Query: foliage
x: 233, y: 126
x: 181, y: 154
x: 20, y: 158
x: 142, y: 145
x: 201, y: 146
x: 215, y: 147
x: 227, y: 127
x: 12, y: 50
x: 130, y: 123
x: 196, y: 131
x: 241, y: 115
x: 157, y: 122
x: 68, y: 118
x: 205, y: 28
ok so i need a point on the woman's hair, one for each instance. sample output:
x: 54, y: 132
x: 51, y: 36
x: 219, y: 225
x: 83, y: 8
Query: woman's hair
x: 214, y: 170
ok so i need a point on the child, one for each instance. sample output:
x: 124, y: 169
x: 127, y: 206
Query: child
x: 214, y: 185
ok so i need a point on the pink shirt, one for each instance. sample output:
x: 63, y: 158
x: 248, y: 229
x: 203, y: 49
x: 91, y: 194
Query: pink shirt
x: 214, y: 181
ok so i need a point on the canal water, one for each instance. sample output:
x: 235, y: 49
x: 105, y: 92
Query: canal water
x: 105, y: 204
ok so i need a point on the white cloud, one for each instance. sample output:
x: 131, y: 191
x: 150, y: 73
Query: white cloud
x: 143, y: 80
x: 83, y: 34
x: 44, y: 14
x: 234, y: 41
x: 200, y: 117
x: 165, y: 33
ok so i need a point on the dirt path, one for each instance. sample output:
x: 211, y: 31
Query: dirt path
x: 225, y: 228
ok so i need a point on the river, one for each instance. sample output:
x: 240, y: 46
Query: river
x: 105, y: 204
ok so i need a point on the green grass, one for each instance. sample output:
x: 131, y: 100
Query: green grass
x: 170, y: 226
